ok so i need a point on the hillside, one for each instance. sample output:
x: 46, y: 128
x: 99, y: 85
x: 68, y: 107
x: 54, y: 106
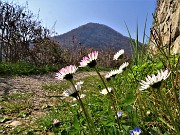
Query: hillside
x: 94, y: 35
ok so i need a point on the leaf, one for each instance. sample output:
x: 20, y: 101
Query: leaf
x: 4, y: 119
x: 155, y: 131
x: 76, y: 124
x: 126, y: 127
x: 129, y: 108
x: 108, y: 123
x: 130, y: 98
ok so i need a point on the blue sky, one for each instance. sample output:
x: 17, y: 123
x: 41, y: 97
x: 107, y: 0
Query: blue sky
x: 70, y: 14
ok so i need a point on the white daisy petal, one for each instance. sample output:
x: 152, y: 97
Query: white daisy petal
x: 166, y: 74
x: 144, y: 83
x: 104, y: 91
x: 124, y: 65
x: 91, y: 57
x: 118, y: 54
x: 154, y: 79
x: 71, y: 90
x: 62, y: 74
x: 117, y: 71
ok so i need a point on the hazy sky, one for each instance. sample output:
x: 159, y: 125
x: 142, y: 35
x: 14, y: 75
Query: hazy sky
x: 69, y: 14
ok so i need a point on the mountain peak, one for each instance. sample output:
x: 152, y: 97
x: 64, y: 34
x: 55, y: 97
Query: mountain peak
x: 95, y: 35
x: 92, y: 24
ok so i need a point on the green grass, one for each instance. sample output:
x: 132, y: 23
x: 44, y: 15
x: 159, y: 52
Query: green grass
x: 92, y: 86
x: 24, y: 68
x: 142, y: 109
x: 15, y: 102
x: 97, y: 103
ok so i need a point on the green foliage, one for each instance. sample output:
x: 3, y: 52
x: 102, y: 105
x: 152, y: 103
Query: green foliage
x: 140, y: 109
x: 97, y: 105
x: 15, y: 107
x: 138, y: 49
x: 23, y: 68
x: 16, y: 103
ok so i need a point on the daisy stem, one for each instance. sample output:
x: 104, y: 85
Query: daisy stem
x: 114, y: 93
x: 112, y: 100
x: 139, y: 102
x: 89, y: 121
x: 166, y: 106
x: 175, y: 92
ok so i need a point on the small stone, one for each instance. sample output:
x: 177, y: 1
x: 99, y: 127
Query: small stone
x: 15, y: 123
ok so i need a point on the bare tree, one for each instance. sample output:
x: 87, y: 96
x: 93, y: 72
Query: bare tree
x: 20, y: 32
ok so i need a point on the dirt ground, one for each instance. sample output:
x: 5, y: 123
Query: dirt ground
x: 32, y: 83
x: 28, y: 84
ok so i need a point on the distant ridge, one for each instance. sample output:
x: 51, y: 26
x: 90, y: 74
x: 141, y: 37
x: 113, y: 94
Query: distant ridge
x: 97, y: 36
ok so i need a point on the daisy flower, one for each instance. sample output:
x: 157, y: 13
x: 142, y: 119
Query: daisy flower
x: 73, y: 92
x: 113, y: 73
x: 81, y: 96
x: 56, y: 122
x: 155, y: 80
x: 90, y: 60
x: 119, y: 54
x: 66, y: 72
x: 104, y: 91
x: 135, y: 131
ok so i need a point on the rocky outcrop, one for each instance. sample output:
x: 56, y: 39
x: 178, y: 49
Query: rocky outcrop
x: 167, y: 23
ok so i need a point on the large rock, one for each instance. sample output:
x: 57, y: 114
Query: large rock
x: 168, y: 23
x: 176, y: 48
